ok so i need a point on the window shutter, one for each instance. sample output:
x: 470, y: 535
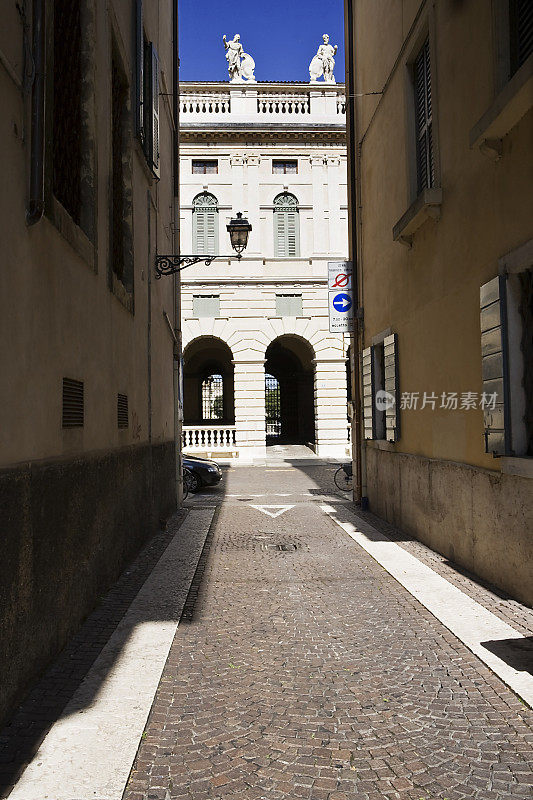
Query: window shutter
x: 139, y: 85
x: 391, y: 385
x: 292, y: 233
x: 369, y: 421
x: 153, y: 143
x: 279, y: 234
x: 494, y: 365
x: 199, y: 231
x: 210, y: 233
x: 423, y: 120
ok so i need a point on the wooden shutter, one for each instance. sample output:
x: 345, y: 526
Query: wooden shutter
x: 369, y: 421
x: 211, y: 232
x: 391, y: 385
x: 494, y: 365
x: 139, y: 61
x: 280, y: 234
x: 521, y: 32
x: 423, y: 120
x: 292, y: 232
x: 153, y: 127
x: 199, y: 230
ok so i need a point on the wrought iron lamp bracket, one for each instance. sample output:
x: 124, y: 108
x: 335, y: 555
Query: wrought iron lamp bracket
x: 170, y: 264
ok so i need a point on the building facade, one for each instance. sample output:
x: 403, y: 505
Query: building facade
x: 260, y: 366
x: 441, y: 191
x: 87, y: 197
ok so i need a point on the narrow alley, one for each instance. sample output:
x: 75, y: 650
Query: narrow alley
x: 300, y: 667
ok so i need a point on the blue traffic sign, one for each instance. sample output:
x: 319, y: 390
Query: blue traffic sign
x: 342, y: 302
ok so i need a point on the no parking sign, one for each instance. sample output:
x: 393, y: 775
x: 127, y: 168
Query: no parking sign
x: 340, y: 297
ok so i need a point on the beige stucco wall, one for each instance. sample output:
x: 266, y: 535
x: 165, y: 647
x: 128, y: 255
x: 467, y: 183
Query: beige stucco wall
x: 429, y: 293
x: 436, y: 482
x: 58, y: 316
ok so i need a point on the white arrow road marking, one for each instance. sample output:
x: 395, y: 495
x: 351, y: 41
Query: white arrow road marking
x: 268, y: 510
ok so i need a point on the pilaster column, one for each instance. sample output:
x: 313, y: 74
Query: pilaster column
x: 251, y: 207
x: 320, y: 233
x: 249, y: 377
x: 237, y: 183
x: 334, y: 202
x: 331, y: 424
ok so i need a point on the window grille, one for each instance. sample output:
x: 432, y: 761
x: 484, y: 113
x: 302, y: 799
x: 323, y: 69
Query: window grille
x: 73, y: 403
x: 289, y: 305
x: 272, y: 406
x: 122, y: 411
x: 286, y: 226
x: 521, y: 32
x: 213, y: 397
x: 285, y: 167
x: 205, y: 224
x: 206, y: 305
x: 423, y: 119
x: 119, y: 97
x: 204, y: 167
x: 67, y: 112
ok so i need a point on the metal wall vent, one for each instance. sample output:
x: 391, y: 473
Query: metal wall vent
x: 122, y: 410
x: 73, y: 405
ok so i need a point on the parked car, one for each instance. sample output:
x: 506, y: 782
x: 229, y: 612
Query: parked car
x: 204, y: 472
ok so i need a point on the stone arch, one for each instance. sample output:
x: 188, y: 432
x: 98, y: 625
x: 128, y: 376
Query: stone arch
x: 290, y: 359
x: 206, y: 356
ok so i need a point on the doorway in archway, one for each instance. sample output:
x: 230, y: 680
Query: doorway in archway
x: 289, y: 392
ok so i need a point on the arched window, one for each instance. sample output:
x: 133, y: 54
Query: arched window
x: 213, y: 397
x: 286, y: 226
x: 205, y: 224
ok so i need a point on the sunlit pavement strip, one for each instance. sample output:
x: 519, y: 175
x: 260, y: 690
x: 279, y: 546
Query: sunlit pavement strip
x: 89, y: 752
x: 464, y: 617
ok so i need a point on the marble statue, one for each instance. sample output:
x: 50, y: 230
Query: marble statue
x: 324, y: 62
x: 240, y: 65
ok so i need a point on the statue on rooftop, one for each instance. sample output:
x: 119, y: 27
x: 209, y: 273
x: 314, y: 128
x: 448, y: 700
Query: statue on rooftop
x: 240, y: 64
x: 324, y: 62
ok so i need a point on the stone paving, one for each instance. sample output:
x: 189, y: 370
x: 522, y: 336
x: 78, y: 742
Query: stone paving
x: 301, y: 669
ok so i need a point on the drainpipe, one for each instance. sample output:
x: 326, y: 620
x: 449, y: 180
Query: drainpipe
x: 176, y: 281
x: 351, y: 132
x: 35, y: 209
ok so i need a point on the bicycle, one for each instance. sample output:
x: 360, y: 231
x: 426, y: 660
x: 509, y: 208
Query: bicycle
x: 189, y: 482
x: 343, y: 478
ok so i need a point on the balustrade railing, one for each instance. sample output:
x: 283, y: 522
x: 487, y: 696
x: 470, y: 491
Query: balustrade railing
x: 283, y: 104
x: 341, y: 105
x: 208, y: 438
x: 205, y: 104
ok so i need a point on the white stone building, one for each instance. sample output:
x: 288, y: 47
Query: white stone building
x: 260, y: 365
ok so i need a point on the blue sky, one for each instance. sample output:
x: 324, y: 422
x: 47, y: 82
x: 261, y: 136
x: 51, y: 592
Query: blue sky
x: 281, y: 35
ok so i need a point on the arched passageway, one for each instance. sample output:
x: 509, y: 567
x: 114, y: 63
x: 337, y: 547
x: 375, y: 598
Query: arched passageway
x: 289, y: 392
x: 208, y: 391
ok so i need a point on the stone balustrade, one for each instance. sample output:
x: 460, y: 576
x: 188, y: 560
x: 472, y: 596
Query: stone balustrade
x: 283, y: 104
x: 208, y: 438
x: 256, y: 103
x: 215, y: 103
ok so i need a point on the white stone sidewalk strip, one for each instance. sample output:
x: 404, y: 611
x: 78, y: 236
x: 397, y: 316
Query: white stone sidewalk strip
x: 464, y: 617
x: 89, y: 752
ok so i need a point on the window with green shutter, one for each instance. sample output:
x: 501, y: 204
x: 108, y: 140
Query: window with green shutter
x: 286, y: 226
x: 205, y: 224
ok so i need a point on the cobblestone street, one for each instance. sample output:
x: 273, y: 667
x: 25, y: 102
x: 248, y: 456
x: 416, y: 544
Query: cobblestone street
x: 302, y: 669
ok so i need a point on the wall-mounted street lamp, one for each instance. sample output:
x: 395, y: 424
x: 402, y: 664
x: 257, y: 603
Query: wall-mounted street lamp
x: 238, y: 229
